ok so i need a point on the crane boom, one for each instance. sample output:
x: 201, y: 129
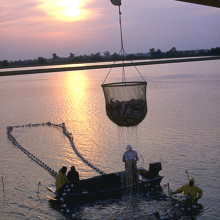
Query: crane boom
x: 213, y: 3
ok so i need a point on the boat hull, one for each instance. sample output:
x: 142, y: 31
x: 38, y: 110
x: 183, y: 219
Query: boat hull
x: 106, y: 186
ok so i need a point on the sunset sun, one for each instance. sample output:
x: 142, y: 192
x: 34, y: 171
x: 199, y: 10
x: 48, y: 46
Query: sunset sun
x: 64, y: 10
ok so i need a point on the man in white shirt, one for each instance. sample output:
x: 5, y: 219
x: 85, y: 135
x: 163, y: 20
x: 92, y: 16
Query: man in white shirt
x: 130, y: 158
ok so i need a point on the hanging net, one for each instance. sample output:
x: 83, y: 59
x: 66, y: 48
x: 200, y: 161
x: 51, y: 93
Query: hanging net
x: 126, y: 103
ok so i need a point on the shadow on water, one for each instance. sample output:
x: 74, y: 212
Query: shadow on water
x: 154, y: 204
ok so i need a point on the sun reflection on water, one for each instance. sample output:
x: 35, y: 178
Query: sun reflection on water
x: 77, y: 84
x: 75, y: 99
x: 81, y: 118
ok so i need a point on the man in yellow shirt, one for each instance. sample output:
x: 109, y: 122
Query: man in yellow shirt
x: 191, y: 190
x: 61, y: 180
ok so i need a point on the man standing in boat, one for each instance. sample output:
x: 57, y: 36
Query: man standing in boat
x: 130, y: 158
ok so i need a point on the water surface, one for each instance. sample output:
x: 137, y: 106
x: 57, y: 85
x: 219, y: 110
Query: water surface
x: 181, y: 130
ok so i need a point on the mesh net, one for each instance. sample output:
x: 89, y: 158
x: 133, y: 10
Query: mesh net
x: 126, y: 103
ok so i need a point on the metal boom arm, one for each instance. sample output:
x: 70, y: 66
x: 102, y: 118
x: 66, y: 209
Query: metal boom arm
x: 213, y: 3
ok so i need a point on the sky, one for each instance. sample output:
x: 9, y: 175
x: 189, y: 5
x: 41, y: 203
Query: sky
x: 38, y: 28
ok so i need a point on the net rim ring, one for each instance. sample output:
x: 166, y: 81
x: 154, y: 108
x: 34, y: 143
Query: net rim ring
x: 117, y: 84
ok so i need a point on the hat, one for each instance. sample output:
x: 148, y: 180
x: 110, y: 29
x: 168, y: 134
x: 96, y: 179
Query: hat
x: 128, y: 147
x: 192, y: 180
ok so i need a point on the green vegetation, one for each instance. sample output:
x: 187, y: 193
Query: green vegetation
x: 97, y: 57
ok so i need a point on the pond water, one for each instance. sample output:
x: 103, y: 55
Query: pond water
x: 181, y: 130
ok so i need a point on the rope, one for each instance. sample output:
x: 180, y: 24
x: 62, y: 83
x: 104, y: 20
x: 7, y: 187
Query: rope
x: 70, y: 137
x: 40, y: 162
x: 122, y: 45
x: 122, y: 51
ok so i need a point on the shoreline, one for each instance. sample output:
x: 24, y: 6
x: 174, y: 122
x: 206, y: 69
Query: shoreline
x: 132, y: 63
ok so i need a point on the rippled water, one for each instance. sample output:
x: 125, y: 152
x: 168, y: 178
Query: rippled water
x: 181, y: 130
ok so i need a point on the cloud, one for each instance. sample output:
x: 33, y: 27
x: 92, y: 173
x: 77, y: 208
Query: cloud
x: 14, y: 11
x: 27, y: 18
x: 28, y: 29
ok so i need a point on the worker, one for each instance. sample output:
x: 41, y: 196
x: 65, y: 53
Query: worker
x: 61, y: 180
x: 130, y: 158
x: 192, y: 192
x: 73, y: 176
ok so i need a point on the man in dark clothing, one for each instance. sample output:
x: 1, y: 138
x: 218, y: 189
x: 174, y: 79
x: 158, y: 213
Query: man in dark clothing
x: 73, y: 176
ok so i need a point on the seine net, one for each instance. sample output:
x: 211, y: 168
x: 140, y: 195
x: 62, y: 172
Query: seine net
x: 126, y: 103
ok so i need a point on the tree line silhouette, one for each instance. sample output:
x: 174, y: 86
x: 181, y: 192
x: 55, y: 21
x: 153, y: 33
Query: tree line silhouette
x: 97, y: 57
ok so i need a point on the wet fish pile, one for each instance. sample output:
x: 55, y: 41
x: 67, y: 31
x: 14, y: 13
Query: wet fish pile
x: 127, y: 113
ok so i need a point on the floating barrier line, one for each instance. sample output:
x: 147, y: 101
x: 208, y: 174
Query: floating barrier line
x: 3, y: 185
x: 38, y: 161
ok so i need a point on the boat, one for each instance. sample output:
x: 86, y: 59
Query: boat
x: 110, y: 185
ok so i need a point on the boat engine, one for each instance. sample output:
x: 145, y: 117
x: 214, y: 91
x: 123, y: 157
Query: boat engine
x: 154, y: 169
